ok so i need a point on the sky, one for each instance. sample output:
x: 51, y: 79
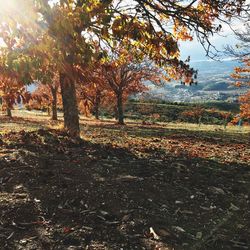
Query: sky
x: 226, y: 37
x: 197, y: 53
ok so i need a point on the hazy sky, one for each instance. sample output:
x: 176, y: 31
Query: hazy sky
x: 196, y: 51
x: 227, y: 37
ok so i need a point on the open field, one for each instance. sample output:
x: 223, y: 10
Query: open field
x: 169, y: 112
x: 155, y: 186
x: 31, y: 120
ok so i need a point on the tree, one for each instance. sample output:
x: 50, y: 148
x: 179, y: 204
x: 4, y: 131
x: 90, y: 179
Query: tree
x: 125, y: 75
x: 154, y: 27
x: 93, y: 89
x: 245, y: 105
x: 12, y: 82
x: 91, y: 96
x: 242, y: 73
x: 46, y: 95
x: 45, y: 72
x: 195, y: 114
x: 242, y: 76
x: 14, y: 65
x: 12, y: 92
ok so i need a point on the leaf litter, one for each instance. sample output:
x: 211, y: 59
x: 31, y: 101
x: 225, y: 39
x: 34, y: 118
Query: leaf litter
x: 136, y: 192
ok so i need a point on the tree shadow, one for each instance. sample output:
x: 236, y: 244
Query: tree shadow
x: 58, y: 192
x: 153, y: 130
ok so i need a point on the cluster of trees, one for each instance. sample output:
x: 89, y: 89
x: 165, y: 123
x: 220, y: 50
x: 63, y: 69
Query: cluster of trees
x: 200, y: 115
x: 105, y: 84
x: 92, y: 49
x: 152, y: 112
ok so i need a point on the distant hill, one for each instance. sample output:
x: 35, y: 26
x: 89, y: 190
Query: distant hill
x: 214, y: 83
x: 217, y: 86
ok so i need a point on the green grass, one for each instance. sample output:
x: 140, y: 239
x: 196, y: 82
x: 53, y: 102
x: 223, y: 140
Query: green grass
x: 169, y: 112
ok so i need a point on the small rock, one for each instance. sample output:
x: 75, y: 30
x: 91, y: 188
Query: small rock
x: 178, y: 202
x: 37, y: 201
x: 179, y: 229
x: 23, y: 241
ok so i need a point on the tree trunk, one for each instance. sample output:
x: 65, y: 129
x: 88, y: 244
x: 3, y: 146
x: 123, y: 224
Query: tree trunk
x: 8, y: 112
x: 70, y: 109
x: 97, y: 105
x: 8, y: 108
x: 54, y: 103
x: 96, y: 108
x: 120, y: 109
x: 48, y: 110
x: 115, y: 112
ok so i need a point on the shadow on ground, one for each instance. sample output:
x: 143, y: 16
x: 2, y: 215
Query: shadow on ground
x: 60, y: 193
x: 141, y: 130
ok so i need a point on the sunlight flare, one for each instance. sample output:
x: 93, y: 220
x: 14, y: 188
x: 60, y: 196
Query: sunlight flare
x: 16, y: 12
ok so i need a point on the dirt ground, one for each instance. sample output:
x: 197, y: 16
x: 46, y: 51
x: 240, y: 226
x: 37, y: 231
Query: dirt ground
x: 132, y: 187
